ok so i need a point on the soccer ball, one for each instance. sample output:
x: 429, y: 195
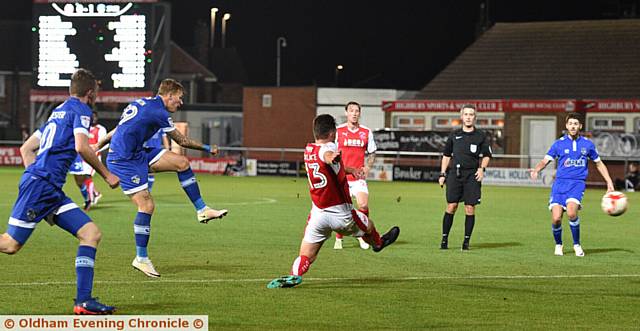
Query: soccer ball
x: 614, y: 203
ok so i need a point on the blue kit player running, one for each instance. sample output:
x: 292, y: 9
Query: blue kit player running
x: 131, y: 162
x: 572, y: 152
x: 47, y: 156
x: 158, y: 140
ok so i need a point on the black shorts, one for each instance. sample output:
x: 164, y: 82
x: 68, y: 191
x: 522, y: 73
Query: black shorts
x: 464, y: 187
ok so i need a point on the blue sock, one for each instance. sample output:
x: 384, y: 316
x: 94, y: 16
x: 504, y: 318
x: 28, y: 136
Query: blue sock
x: 575, y: 230
x: 84, y: 272
x: 190, y: 186
x: 557, y: 233
x: 150, y: 182
x: 142, y: 230
x: 84, y: 192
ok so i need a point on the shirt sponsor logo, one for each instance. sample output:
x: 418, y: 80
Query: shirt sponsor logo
x: 353, y: 143
x: 579, y: 163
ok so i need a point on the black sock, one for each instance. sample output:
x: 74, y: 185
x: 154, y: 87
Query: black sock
x: 447, y: 222
x: 469, y: 222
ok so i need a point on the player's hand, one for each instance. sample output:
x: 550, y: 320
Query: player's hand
x: 360, y: 173
x: 112, y: 180
x: 441, y: 181
x: 610, y: 187
x: 533, y: 173
x: 214, y: 149
x: 479, y: 175
x: 94, y: 147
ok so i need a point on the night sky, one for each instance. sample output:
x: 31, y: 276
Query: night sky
x: 398, y: 44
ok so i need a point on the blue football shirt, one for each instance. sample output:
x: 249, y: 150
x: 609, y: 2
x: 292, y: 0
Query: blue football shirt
x: 57, y: 141
x: 139, y: 121
x: 572, y: 156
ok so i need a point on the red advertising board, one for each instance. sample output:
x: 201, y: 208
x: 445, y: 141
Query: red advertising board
x: 210, y: 165
x: 10, y: 156
x: 560, y: 105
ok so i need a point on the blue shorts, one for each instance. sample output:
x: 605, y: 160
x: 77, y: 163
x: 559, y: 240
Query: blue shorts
x: 39, y: 199
x: 566, y: 190
x: 134, y: 172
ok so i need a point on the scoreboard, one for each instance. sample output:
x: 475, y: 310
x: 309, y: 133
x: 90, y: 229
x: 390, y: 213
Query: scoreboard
x: 110, y: 38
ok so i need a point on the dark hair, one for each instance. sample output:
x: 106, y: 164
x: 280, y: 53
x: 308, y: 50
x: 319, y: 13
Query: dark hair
x: 323, y: 125
x: 82, y: 81
x: 170, y: 85
x: 573, y: 115
x: 352, y: 103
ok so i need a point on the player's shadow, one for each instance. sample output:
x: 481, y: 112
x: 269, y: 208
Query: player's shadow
x: 495, y: 245
x: 607, y: 250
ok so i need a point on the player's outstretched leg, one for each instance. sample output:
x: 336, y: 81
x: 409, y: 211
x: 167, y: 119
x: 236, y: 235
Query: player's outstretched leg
x: 191, y: 188
x: 387, y: 239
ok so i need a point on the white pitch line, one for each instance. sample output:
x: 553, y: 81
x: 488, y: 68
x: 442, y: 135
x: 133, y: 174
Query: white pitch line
x: 326, y: 279
x: 260, y: 201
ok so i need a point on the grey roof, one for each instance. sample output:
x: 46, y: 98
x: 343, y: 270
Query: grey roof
x: 545, y: 60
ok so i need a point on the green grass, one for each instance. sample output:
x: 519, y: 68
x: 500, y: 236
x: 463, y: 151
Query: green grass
x: 509, y: 280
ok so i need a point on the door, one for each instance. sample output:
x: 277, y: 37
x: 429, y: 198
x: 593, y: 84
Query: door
x: 542, y: 133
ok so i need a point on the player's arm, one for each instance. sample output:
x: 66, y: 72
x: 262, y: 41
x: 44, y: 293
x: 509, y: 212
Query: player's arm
x: 369, y: 161
x: 104, y: 140
x: 29, y: 149
x: 540, y: 166
x: 87, y: 153
x: 187, y: 142
x: 602, y: 169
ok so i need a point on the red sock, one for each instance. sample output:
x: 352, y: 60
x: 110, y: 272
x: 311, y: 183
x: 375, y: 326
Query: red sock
x: 338, y: 236
x: 300, y: 266
x: 364, y: 211
x: 373, y: 238
x: 88, y: 183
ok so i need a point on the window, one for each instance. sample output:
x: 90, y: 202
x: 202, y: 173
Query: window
x: 410, y: 122
x: 615, y: 124
x: 266, y: 100
x: 447, y: 123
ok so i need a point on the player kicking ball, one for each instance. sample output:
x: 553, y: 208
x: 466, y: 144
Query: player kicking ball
x: 131, y: 162
x: 332, y: 208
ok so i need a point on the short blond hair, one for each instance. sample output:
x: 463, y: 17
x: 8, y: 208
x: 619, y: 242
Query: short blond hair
x: 170, y: 86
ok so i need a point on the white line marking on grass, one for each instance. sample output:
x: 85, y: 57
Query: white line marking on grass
x: 325, y: 279
x: 159, y: 202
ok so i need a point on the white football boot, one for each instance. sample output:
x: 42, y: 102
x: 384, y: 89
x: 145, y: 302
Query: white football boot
x: 338, y: 244
x: 209, y: 213
x: 144, y: 264
x: 558, y: 250
x: 578, y: 249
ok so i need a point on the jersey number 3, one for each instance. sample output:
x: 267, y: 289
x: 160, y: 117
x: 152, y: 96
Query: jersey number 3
x: 313, y: 170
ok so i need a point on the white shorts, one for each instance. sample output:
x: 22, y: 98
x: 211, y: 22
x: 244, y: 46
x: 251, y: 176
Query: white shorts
x: 357, y: 186
x: 81, y: 168
x: 322, y: 221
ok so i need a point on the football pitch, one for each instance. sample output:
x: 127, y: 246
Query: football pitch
x: 509, y: 280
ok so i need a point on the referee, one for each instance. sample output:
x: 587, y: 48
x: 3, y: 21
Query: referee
x: 463, y: 171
